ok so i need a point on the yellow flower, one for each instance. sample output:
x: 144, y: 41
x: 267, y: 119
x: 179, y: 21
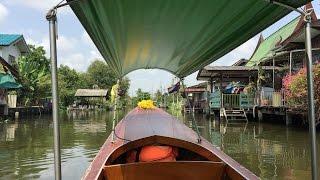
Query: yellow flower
x: 146, y: 104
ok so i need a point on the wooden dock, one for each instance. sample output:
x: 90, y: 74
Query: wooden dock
x: 29, y: 111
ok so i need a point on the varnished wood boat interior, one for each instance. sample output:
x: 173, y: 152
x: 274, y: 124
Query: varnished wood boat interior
x: 192, y: 170
x: 188, y: 163
x: 139, y: 129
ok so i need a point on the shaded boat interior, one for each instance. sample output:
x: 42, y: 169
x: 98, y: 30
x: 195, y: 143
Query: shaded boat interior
x: 193, y: 161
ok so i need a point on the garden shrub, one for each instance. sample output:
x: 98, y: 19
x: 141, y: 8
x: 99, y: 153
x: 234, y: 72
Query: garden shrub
x: 296, y: 93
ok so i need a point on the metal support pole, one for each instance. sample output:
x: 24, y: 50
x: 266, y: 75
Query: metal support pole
x: 221, y: 94
x: 115, y: 111
x: 273, y: 73
x: 211, y: 85
x: 311, y: 111
x: 290, y: 63
x: 52, y: 18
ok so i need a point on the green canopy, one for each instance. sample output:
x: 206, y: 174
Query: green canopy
x: 180, y: 36
x: 7, y: 81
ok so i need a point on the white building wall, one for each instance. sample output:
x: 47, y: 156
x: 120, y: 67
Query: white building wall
x: 12, y: 50
x: 1, y: 51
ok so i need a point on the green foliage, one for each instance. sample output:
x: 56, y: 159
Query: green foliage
x: 250, y: 88
x: 34, y: 76
x: 124, y: 88
x: 296, y: 89
x: 175, y: 102
x: 100, y: 74
x: 140, y: 95
x: 69, y: 81
x: 34, y: 70
x: 158, y: 97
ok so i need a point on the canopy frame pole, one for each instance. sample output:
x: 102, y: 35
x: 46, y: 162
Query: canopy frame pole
x: 115, y: 108
x: 273, y: 73
x: 193, y: 117
x: 311, y: 109
x: 290, y: 63
x: 52, y: 18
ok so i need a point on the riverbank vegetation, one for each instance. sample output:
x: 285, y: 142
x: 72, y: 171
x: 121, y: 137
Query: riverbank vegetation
x: 295, y: 86
x: 34, y: 71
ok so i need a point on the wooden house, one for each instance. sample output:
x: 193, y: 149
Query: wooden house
x: 90, y: 98
x: 197, y: 95
x: 281, y: 53
x: 12, y: 46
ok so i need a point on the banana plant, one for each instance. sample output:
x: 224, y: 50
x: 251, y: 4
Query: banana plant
x: 34, y: 75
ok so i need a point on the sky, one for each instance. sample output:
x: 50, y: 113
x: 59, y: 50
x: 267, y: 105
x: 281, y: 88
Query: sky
x: 75, y: 48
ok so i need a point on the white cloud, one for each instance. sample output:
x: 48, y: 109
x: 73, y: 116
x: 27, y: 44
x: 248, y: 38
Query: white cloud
x: 76, y: 61
x: 86, y: 39
x: 95, y: 55
x: 70, y: 51
x: 3, y: 13
x: 65, y: 44
x: 40, y: 5
x: 243, y: 51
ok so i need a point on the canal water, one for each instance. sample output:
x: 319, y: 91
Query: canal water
x: 270, y: 151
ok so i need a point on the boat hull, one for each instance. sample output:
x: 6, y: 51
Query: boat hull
x: 147, y: 127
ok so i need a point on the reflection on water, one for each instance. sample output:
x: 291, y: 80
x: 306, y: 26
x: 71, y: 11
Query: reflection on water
x: 270, y: 151
x: 26, y: 145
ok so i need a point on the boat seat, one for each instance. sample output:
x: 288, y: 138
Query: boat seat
x: 191, y: 170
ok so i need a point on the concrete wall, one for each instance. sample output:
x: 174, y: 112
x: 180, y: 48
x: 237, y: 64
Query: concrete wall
x: 6, y: 51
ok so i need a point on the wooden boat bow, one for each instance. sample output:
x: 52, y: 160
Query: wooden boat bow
x: 147, y: 127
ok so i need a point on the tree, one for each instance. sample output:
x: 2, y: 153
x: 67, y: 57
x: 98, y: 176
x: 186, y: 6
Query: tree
x: 100, y: 74
x: 34, y: 76
x: 158, y: 97
x: 124, y: 88
x: 141, y: 95
x: 69, y: 82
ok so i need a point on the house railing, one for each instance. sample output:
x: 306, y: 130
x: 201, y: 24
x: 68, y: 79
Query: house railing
x: 264, y: 98
x: 272, y: 98
x: 218, y: 100
x: 231, y: 100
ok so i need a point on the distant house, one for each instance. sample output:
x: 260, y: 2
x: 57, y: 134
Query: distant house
x: 197, y: 95
x: 12, y: 46
x: 88, y: 98
x: 92, y: 93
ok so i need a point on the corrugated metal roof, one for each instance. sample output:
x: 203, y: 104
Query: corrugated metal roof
x: 8, y: 39
x: 265, y: 48
x: 212, y: 72
x: 91, y: 93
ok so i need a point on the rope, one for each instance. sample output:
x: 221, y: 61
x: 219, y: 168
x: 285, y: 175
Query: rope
x: 117, y: 136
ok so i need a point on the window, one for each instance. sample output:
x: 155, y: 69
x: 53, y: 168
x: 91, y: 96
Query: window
x: 12, y: 60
